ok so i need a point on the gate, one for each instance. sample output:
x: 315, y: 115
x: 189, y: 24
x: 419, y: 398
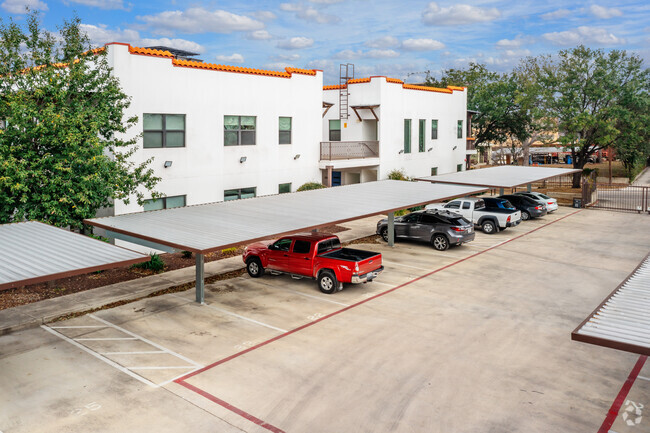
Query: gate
x: 632, y: 198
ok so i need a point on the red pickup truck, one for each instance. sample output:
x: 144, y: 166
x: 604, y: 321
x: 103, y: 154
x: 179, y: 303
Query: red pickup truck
x: 317, y: 256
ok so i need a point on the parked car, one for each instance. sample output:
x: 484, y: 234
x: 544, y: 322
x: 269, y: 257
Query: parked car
x: 498, y: 203
x: 551, y: 203
x: 529, y: 208
x: 473, y: 209
x: 440, y: 228
x: 318, y: 256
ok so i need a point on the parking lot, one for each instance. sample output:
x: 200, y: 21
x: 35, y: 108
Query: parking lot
x: 472, y: 339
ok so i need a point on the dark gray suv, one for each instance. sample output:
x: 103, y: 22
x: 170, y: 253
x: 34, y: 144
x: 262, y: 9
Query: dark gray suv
x: 439, y: 227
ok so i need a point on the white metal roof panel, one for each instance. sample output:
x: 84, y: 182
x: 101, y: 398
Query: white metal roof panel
x: 503, y: 176
x: 213, y: 226
x: 32, y: 252
x: 622, y: 321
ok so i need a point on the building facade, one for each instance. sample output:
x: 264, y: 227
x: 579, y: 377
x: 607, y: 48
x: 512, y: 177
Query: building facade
x: 375, y: 125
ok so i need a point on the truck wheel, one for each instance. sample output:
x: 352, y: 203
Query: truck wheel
x: 327, y: 282
x: 489, y: 227
x: 440, y: 242
x: 254, y: 267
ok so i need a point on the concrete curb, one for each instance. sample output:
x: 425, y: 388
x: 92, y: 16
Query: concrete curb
x: 37, y: 313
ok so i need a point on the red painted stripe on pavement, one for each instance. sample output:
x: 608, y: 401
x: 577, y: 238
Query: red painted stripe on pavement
x: 232, y: 408
x: 181, y: 380
x: 622, y: 395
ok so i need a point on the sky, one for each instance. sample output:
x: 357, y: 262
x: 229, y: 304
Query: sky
x: 400, y: 39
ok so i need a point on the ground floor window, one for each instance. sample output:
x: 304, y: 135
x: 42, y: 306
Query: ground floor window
x: 459, y: 167
x: 434, y: 171
x: 236, y: 194
x: 284, y: 188
x: 164, y: 202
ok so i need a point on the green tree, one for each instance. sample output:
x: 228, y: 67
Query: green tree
x: 592, y: 94
x: 63, y: 151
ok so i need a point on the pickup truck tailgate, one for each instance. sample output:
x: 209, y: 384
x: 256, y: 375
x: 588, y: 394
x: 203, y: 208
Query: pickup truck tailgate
x: 370, y: 264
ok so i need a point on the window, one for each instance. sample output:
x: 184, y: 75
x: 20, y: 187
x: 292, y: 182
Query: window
x: 411, y: 218
x: 164, y: 203
x: 236, y: 194
x: 453, y: 205
x: 301, y: 247
x: 281, y: 245
x: 407, y: 135
x: 459, y: 167
x: 421, y: 133
x: 460, y: 129
x: 430, y: 219
x: 434, y: 129
x: 434, y: 171
x: 163, y: 130
x: 465, y: 205
x: 239, y: 130
x: 284, y: 188
x: 285, y: 130
x: 329, y: 244
x: 335, y: 130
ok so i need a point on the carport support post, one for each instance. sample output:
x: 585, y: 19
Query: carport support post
x: 200, y: 283
x: 500, y: 191
x: 391, y: 229
x: 529, y: 187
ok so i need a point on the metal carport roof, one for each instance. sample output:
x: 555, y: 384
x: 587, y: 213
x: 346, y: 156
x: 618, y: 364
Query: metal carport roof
x: 622, y: 321
x: 33, y: 252
x: 214, y: 226
x: 503, y: 176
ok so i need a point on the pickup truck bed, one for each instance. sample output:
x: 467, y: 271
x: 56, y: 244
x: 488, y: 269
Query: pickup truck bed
x: 349, y: 254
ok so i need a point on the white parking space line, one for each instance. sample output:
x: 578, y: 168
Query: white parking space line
x: 644, y: 378
x: 407, y: 266
x: 230, y: 313
x: 186, y: 367
x: 315, y: 297
x: 105, y: 339
x: 146, y: 352
x: 77, y: 327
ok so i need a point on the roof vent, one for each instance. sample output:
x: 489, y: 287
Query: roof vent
x: 178, y: 54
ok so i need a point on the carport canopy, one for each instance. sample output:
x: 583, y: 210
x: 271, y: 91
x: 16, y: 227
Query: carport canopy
x: 215, y: 226
x: 32, y: 252
x: 622, y: 320
x: 503, y: 176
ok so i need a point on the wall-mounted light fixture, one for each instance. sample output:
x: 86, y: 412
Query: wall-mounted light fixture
x: 430, y: 149
x: 454, y: 148
x: 242, y: 160
x: 401, y: 151
x: 168, y: 164
x: 297, y: 156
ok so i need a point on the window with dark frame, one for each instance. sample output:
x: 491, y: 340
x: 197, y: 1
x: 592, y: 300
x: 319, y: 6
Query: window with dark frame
x: 335, y: 130
x: 434, y: 129
x: 459, y: 167
x: 434, y: 171
x: 236, y: 194
x: 163, y: 130
x: 301, y: 247
x: 421, y: 135
x: 407, y: 135
x: 164, y: 202
x: 460, y: 129
x: 284, y: 127
x: 239, y: 130
x: 284, y: 188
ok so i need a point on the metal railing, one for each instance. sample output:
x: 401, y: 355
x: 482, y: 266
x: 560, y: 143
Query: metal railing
x: 335, y: 150
x: 631, y: 198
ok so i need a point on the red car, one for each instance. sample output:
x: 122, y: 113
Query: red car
x: 317, y: 256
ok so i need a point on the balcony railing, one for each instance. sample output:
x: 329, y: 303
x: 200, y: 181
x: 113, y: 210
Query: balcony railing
x: 470, y: 144
x: 336, y: 150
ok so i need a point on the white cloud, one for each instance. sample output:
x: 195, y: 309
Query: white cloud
x: 286, y: 57
x: 422, y: 45
x: 200, y: 20
x: 583, y: 35
x: 383, y: 42
x: 605, y: 13
x: 259, y: 35
x: 100, y: 35
x: 233, y: 58
x: 513, y: 43
x: 18, y: 6
x: 102, y: 4
x: 326, y: 2
x: 297, y: 43
x: 309, y: 13
x: 457, y: 14
x: 381, y: 54
x: 560, y: 13
x: 264, y: 15
x: 372, y: 54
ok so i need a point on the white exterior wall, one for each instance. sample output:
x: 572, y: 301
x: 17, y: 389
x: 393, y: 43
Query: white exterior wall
x: 204, y: 168
x: 395, y: 105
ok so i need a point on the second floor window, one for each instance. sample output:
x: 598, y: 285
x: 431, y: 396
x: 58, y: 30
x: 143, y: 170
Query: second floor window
x: 335, y: 130
x: 285, y: 130
x: 434, y: 171
x: 460, y: 129
x: 164, y: 202
x: 407, y: 135
x: 421, y: 133
x: 434, y: 129
x: 163, y: 130
x: 239, y: 130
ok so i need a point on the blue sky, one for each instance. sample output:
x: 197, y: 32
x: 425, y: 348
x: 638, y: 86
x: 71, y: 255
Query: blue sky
x: 400, y: 39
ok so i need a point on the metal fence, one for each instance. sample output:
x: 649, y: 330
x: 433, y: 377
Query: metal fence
x: 631, y: 198
x: 334, y: 150
x: 565, y: 181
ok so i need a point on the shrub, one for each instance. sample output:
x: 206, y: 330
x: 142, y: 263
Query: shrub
x: 155, y: 263
x: 310, y: 185
x: 229, y: 250
x: 186, y: 254
x: 398, y: 175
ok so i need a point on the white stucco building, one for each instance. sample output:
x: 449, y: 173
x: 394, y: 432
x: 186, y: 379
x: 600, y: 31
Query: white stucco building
x: 219, y: 132
x: 390, y: 125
